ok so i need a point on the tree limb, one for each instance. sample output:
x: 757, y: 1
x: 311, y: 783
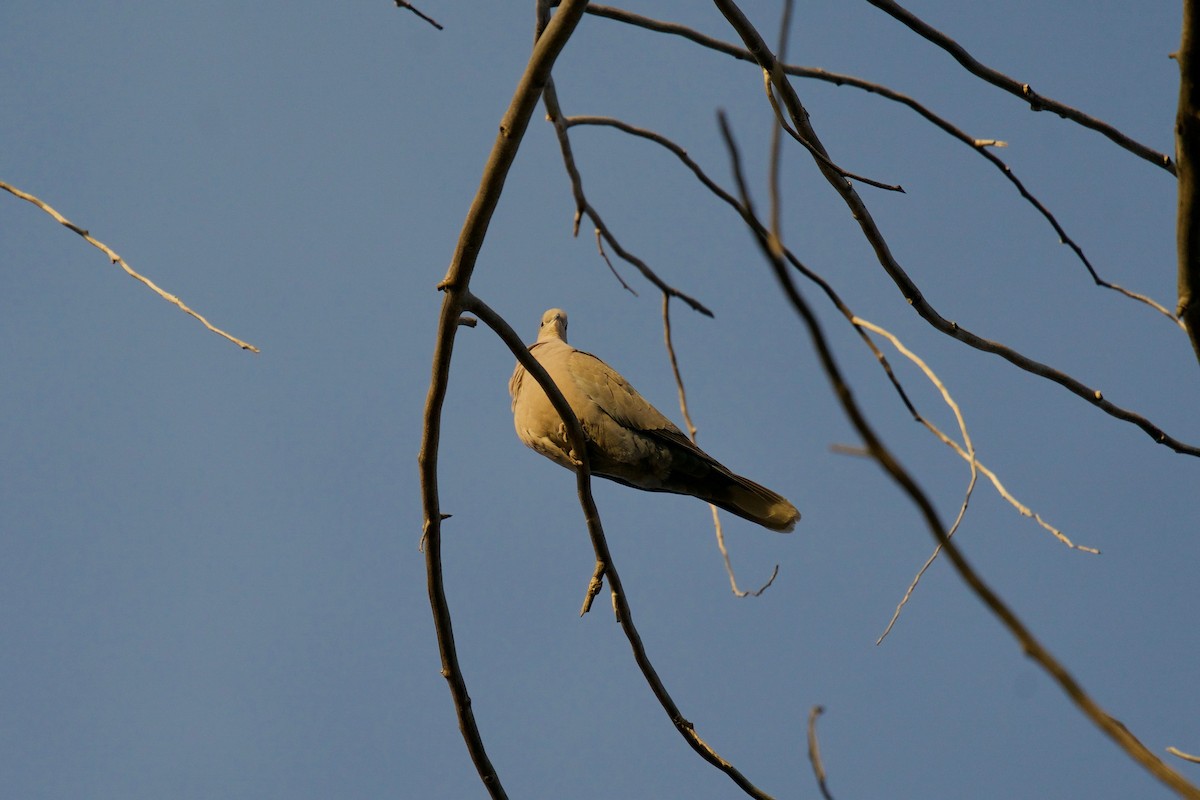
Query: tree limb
x: 458, y: 277
x: 1187, y: 151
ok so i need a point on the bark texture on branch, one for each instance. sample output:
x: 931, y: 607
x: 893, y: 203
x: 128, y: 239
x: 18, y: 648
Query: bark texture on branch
x: 1187, y: 158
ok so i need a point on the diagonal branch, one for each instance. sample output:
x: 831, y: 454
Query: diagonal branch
x: 1036, y: 101
x: 1029, y: 644
x: 419, y: 13
x: 583, y: 208
x: 120, y: 262
x: 912, y: 294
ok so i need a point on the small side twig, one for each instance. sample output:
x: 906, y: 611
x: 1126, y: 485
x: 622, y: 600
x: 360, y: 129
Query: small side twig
x: 583, y: 208
x: 419, y: 13
x: 814, y: 751
x: 1185, y: 756
x: 611, y: 268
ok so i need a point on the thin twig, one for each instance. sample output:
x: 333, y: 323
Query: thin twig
x: 814, y: 751
x: 1185, y: 756
x: 1036, y: 101
x: 116, y: 259
x: 419, y: 13
x: 967, y: 444
x: 817, y: 154
x: 583, y: 208
x: 611, y: 268
x: 980, y: 146
x: 1028, y: 642
x: 687, y: 418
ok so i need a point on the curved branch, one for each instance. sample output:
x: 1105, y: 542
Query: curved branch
x: 512, y: 129
x: 604, y: 562
x: 814, y: 751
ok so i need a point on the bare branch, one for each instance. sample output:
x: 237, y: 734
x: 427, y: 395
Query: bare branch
x: 967, y: 454
x: 687, y: 418
x: 814, y: 751
x: 611, y: 268
x: 116, y: 259
x: 1029, y: 644
x: 1185, y: 756
x: 582, y: 207
x: 840, y: 79
x: 458, y: 277
x: 418, y: 12
x: 911, y: 293
x: 1036, y: 101
x: 1187, y: 150
x: 817, y: 154
x: 604, y: 562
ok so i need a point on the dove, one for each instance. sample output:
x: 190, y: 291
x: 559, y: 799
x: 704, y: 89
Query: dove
x: 628, y: 440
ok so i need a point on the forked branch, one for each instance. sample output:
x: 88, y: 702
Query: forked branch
x: 458, y: 277
x: 983, y: 147
x: 1029, y: 644
x: 911, y: 293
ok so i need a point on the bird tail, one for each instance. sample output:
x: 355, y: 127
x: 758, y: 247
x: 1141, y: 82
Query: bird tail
x: 748, y: 500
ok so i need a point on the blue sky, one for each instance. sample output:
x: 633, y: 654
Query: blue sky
x: 210, y: 584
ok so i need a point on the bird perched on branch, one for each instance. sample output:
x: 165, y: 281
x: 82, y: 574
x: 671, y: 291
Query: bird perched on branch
x: 628, y: 440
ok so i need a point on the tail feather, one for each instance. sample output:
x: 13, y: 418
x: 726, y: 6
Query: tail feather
x: 756, y: 503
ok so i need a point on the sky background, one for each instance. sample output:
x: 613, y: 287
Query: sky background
x: 210, y: 583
